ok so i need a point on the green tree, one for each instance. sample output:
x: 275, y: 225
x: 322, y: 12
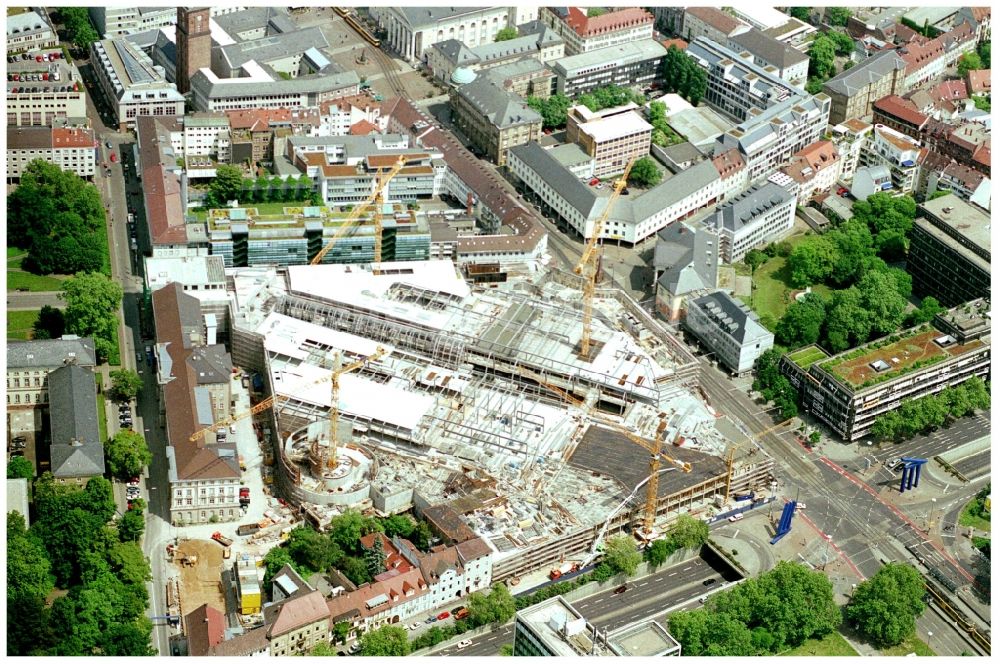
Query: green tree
x: 842, y: 43
x: 847, y: 322
x: 658, y: 552
x: 313, y: 551
x: 127, y: 454
x: 355, y: 569
x: 682, y: 75
x: 398, y: 525
x: 129, y: 640
x: 802, y: 322
x: 880, y: 300
x: 78, y: 27
x: 645, y: 173
x: 983, y: 50
x: 422, y: 536
x: 347, y: 530
x: 821, y: 55
x: 754, y: 259
x: 274, y: 560
x: 508, y: 33
x: 227, y: 184
x: 969, y: 62
x: 495, y: 607
x: 507, y: 650
x: 375, y: 558
x: 620, y: 553
x: 50, y: 323
x: 553, y: 110
x: 885, y: 607
x: 386, y: 641
x: 854, y: 245
x: 28, y: 569
x: 812, y: 261
x: 128, y: 563
x: 691, y: 629
x: 838, y: 15
x: 92, y: 302
x: 131, y: 526
x: 19, y: 467
x: 688, y: 532
x: 125, y: 385
x: 801, y: 13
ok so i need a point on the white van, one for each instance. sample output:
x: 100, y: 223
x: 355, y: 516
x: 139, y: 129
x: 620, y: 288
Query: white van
x: 736, y: 517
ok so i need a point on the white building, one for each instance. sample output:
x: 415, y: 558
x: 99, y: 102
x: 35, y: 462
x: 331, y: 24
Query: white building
x: 584, y: 33
x: 849, y: 137
x: 347, y: 115
x: 257, y: 89
x: 34, y: 103
x: 132, y: 84
x: 815, y: 168
x: 611, y: 137
x: 71, y: 149
x: 29, y: 31
x: 119, y: 21
x: 791, y: 64
x: 206, y: 135
x: 763, y: 214
x: 411, y: 30
x: 633, y: 63
x: 901, y: 154
x: 728, y: 328
x: 711, y: 23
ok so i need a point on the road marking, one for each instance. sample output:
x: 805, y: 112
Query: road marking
x: 672, y: 574
x: 643, y: 583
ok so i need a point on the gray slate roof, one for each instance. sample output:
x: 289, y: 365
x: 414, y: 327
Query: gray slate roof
x: 255, y: 17
x: 689, y: 258
x: 769, y: 49
x: 301, y: 85
x: 76, y: 449
x: 47, y: 353
x: 502, y: 108
x: 421, y: 17
x: 273, y: 47
x: 864, y: 73
x: 581, y: 197
x: 731, y: 314
x: 748, y: 206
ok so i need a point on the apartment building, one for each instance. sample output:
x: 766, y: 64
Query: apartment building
x: 732, y: 173
x: 132, y: 85
x: 853, y: 92
x: 339, y: 117
x: 30, y: 31
x: 584, y: 33
x: 736, y: 85
x: 44, y: 92
x: 763, y: 214
x: 712, y: 24
x: 902, y: 155
x: 729, y: 329
x: 494, y: 119
x: 611, y: 137
x: 940, y: 173
x: 297, y: 625
x: 814, y: 168
x: 411, y: 31
x: 789, y: 64
x: 535, y: 42
x: 207, y: 135
x: 194, y: 377
x: 563, y: 195
x: 29, y: 364
x: 950, y: 251
x: 848, y: 138
x: 849, y: 391
x: 768, y: 140
x: 979, y: 17
x: 525, y: 78
x: 685, y: 265
x: 927, y: 59
x: 636, y: 63
x: 70, y: 148
x: 252, y: 132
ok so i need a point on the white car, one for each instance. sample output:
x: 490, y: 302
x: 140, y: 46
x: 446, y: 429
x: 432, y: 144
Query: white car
x: 416, y: 625
x: 736, y: 517
x: 800, y: 506
x: 462, y: 645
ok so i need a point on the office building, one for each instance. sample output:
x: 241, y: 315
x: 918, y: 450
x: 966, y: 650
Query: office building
x: 849, y: 391
x: 584, y: 33
x: 257, y: 89
x: 685, y: 265
x: 814, y: 169
x: 611, y: 137
x: 29, y: 364
x: 729, y: 329
x: 950, y: 251
x: 114, y: 22
x: 535, y: 42
x: 30, y: 31
x: 132, y: 84
x: 43, y: 92
x: 763, y: 214
x: 789, y: 64
x: 494, y: 119
x: 636, y: 63
x: 70, y: 149
x: 853, y: 92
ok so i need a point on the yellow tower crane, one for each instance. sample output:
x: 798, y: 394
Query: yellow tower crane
x: 352, y: 218
x: 736, y: 448
x: 328, y: 458
x: 654, y: 447
x: 587, y: 267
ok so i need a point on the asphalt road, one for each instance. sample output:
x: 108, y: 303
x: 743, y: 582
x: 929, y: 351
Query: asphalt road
x: 646, y: 597
x: 938, y: 442
x: 26, y: 301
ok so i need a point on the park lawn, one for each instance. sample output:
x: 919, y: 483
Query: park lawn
x: 102, y: 413
x: 831, y: 645
x: 33, y: 282
x: 968, y: 518
x: 772, y: 285
x: 19, y: 324
x: 911, y: 644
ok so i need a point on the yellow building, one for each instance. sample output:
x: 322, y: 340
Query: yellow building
x: 248, y: 585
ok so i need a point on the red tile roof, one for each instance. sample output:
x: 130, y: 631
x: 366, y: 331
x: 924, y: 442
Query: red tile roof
x: 363, y: 128
x: 898, y: 107
x: 161, y: 189
x: 949, y: 90
x: 979, y: 81
x: 297, y: 612
x: 728, y: 163
x: 819, y: 155
x: 715, y: 18
x: 679, y: 43
x: 72, y: 138
x: 612, y: 21
x: 205, y: 628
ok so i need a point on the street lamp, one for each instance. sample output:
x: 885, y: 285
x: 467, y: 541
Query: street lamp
x: 929, y: 635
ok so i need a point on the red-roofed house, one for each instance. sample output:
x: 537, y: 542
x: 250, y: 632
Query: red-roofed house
x: 900, y: 114
x: 929, y: 59
x: 978, y: 82
x: 732, y: 172
x: 711, y: 23
x: 584, y: 33
x: 815, y: 168
x: 205, y: 628
x: 978, y: 16
x: 68, y: 148
x: 364, y: 128
x: 298, y: 624
x: 941, y: 173
x: 340, y: 115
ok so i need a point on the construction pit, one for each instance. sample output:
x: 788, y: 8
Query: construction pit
x: 199, y: 563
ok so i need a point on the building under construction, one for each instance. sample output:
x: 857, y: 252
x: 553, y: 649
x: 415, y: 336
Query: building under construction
x: 477, y: 401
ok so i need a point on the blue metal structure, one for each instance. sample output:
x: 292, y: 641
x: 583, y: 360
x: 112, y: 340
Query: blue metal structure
x: 910, y: 478
x: 785, y: 523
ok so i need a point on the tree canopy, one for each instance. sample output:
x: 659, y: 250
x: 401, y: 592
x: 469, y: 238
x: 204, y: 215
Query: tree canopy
x: 932, y: 411
x: 802, y: 322
x: 682, y: 75
x: 92, y: 302
x: 885, y: 607
x: 801, y: 13
x: 621, y: 555
x: 811, y: 262
x: 386, y: 641
x: 19, y: 467
x: 126, y: 454
x: 553, y: 110
x: 821, y: 55
x: 842, y: 43
x: 50, y: 324
x: 496, y: 607
x: 969, y: 62
x: 773, y: 386
x: 645, y: 173
x: 506, y: 34
x: 687, y: 532
x: 838, y: 15
x: 59, y: 219
x: 79, y: 29
x: 125, y: 385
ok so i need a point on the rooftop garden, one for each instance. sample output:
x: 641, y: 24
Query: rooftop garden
x: 806, y: 357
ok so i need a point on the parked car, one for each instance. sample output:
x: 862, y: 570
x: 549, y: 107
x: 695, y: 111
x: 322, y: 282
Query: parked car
x: 430, y: 620
x: 800, y: 506
x: 134, y: 481
x: 736, y: 517
x: 444, y: 615
x: 416, y: 625
x: 708, y: 582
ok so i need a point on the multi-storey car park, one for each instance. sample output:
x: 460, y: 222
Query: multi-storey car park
x: 479, y: 404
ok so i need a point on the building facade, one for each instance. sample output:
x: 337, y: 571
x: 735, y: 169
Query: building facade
x: 902, y: 155
x: 194, y: 44
x: 633, y: 63
x: 711, y: 23
x: 788, y: 63
x: 260, y: 90
x: 494, y: 119
x: 763, y: 214
x: 131, y: 84
x: 584, y: 33
x: 853, y: 92
x: 410, y: 31
x: 950, y: 251
x: 70, y: 149
x: 611, y: 137
x: 851, y: 390
x: 30, y: 362
x: 32, y: 101
x: 29, y: 31
x: 814, y: 168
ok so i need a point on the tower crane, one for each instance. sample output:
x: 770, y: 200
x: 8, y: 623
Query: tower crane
x: 654, y: 447
x: 316, y: 457
x: 352, y: 218
x: 587, y: 267
x: 735, y: 448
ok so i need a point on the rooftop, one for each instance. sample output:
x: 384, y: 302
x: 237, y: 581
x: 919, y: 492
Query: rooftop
x: 716, y: 18
x: 611, y: 56
x: 51, y: 353
x: 502, y: 108
x: 769, y: 49
x: 807, y: 356
x: 561, y: 628
x: 964, y: 218
x: 864, y: 73
x: 616, y: 19
x: 747, y: 207
x: 645, y: 639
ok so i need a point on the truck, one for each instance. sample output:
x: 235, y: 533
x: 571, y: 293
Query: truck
x: 221, y: 539
x: 247, y: 529
x: 565, y: 568
x: 244, y: 495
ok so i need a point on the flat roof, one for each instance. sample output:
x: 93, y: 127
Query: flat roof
x: 808, y: 355
x: 968, y: 220
x: 560, y: 627
x: 645, y: 639
x: 700, y: 126
x: 615, y: 126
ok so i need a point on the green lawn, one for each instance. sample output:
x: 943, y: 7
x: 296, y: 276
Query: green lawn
x: 19, y: 324
x: 201, y: 214
x: 102, y: 413
x: 33, y: 282
x: 772, y: 285
x: 911, y: 644
x: 831, y: 645
x: 968, y: 518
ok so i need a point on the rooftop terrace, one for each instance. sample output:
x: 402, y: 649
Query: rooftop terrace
x: 807, y: 356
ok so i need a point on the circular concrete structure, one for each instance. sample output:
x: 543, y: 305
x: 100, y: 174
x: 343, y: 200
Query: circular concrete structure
x: 344, y: 482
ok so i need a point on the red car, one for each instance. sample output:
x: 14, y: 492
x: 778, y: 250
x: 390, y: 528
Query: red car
x: 444, y: 615
x: 114, y: 158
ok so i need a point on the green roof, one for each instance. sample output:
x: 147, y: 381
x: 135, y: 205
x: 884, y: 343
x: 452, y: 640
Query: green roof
x: 807, y: 356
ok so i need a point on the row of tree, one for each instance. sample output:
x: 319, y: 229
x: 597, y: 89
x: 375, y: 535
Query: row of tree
x: 932, y: 411
x: 682, y: 75
x: 92, y: 303
x: 57, y: 217
x: 553, y: 110
x: 75, y: 545
x: 229, y: 184
x: 776, y: 611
